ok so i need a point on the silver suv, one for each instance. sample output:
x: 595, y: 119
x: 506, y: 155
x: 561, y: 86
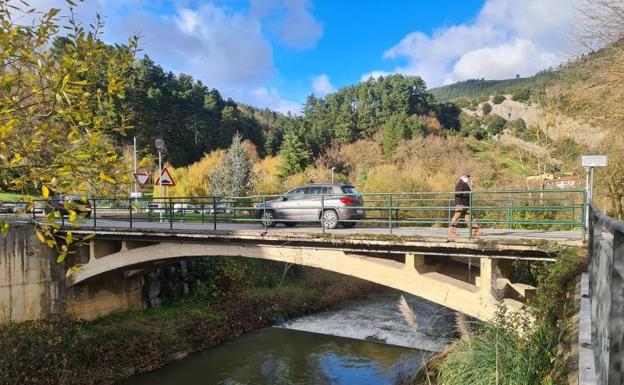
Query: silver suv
x: 330, y: 203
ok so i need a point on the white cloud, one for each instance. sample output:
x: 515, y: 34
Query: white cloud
x: 503, y: 61
x: 226, y: 48
x: 272, y: 99
x: 374, y: 75
x: 506, y: 38
x: 321, y: 85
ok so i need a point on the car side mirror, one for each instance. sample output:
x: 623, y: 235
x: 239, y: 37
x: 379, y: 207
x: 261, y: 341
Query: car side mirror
x: 284, y: 198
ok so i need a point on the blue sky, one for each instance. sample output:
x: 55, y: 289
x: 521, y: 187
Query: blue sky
x: 273, y: 53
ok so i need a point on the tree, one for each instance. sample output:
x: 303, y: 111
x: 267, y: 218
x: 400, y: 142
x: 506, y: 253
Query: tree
x: 494, y: 124
x: 61, y: 106
x: 486, y: 108
x: 233, y: 176
x: 293, y: 156
x: 611, y: 178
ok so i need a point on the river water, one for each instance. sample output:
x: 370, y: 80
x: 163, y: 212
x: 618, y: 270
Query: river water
x: 364, y: 342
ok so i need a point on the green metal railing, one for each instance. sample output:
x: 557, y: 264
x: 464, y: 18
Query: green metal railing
x: 512, y: 209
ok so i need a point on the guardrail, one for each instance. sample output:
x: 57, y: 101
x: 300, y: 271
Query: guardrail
x: 606, y: 280
x: 512, y: 209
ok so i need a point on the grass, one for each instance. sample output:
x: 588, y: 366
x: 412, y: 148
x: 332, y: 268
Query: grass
x: 512, y: 349
x: 11, y: 197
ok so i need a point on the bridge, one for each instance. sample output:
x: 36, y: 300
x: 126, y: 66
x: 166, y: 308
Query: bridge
x: 401, y: 242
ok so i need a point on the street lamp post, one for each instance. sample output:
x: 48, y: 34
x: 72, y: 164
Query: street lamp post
x: 332, y: 170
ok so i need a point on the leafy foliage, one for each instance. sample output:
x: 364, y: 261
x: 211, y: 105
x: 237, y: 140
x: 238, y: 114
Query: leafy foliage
x: 486, y: 108
x: 293, y: 156
x: 60, y: 109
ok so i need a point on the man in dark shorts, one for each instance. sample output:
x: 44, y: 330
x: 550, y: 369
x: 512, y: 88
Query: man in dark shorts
x: 462, y: 204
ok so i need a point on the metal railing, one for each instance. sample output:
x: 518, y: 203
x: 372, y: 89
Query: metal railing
x: 513, y: 209
x: 606, y: 280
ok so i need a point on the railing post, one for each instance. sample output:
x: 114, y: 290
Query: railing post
x: 214, y: 213
x: 264, y: 213
x: 469, y: 214
x: 170, y: 213
x: 509, y: 213
x: 130, y: 210
x: 62, y: 215
x: 322, y: 213
x: 94, y: 213
x: 390, y: 213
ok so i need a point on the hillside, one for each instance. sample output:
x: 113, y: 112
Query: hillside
x: 477, y: 88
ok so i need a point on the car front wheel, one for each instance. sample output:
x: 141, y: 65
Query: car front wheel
x: 268, y: 218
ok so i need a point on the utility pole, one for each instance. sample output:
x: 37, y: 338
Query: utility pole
x: 332, y: 170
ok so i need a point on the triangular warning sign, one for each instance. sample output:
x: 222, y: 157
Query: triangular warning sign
x: 142, y: 178
x: 165, y: 178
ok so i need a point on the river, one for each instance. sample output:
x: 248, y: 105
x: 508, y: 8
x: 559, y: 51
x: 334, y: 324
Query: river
x: 364, y: 342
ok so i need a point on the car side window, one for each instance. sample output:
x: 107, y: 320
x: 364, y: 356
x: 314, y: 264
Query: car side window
x: 315, y: 191
x: 297, y: 193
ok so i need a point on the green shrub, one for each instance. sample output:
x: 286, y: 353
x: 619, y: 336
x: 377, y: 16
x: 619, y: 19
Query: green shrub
x: 498, y: 99
x: 486, y: 108
x: 521, y: 95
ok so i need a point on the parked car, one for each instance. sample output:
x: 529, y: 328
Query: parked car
x: 6, y: 208
x: 153, y: 207
x: 63, y: 203
x: 332, y: 203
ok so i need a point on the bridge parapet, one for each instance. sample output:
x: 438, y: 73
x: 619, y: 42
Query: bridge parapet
x: 606, y: 290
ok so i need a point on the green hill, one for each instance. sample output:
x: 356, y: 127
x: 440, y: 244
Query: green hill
x: 475, y: 88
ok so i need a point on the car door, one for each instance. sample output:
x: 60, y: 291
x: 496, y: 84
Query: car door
x: 289, y: 207
x: 311, y: 204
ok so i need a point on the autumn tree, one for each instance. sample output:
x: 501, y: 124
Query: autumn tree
x: 60, y: 109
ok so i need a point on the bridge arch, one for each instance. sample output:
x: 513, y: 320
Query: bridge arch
x: 413, y: 276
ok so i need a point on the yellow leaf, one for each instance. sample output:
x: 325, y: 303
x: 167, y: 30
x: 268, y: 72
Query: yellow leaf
x: 106, y: 178
x: 64, y: 248
x: 69, y: 239
x: 4, y: 227
x: 45, y: 192
x: 51, y: 243
x: 61, y: 257
x: 40, y: 236
x: 72, y: 216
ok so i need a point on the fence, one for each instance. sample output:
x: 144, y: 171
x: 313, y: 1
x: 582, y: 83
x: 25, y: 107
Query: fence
x: 514, y: 209
x: 606, y: 279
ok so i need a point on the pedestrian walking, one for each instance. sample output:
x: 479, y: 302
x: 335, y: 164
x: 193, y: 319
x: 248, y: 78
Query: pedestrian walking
x: 462, y: 206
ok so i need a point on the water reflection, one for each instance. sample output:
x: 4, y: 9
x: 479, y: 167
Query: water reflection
x: 281, y: 356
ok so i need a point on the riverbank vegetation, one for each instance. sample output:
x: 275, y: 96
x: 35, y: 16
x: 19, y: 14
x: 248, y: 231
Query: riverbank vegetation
x: 241, y: 295
x: 529, y: 348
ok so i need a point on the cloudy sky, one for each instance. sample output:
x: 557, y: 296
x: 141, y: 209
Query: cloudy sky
x: 272, y: 53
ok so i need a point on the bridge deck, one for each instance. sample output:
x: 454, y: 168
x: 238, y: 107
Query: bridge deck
x: 526, y: 244
x: 572, y: 238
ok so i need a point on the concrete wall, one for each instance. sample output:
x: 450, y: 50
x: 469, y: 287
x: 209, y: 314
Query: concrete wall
x: 33, y: 286
x: 30, y: 280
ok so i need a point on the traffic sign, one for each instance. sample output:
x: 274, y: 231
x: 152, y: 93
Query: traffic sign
x: 165, y: 178
x: 142, y: 178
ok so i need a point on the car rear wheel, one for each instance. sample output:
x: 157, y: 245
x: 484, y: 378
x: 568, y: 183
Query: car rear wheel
x: 330, y: 219
x: 268, y: 218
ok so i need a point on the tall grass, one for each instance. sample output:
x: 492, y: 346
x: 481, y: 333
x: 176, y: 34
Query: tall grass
x: 518, y: 348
